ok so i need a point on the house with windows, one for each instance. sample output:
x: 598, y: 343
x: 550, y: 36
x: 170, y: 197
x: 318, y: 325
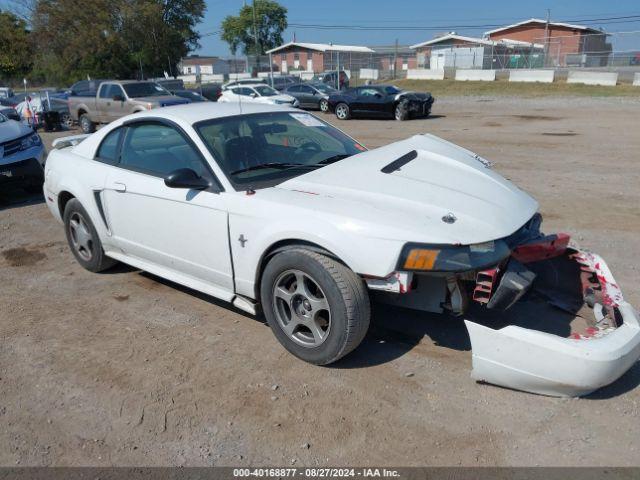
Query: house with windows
x: 201, y: 65
x: 318, y: 57
x: 566, y: 44
x: 459, y: 51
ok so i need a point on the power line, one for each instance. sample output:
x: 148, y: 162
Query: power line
x: 317, y: 26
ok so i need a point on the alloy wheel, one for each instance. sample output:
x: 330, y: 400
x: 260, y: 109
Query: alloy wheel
x: 81, y: 237
x: 301, y: 308
x: 324, y: 106
x: 342, y: 111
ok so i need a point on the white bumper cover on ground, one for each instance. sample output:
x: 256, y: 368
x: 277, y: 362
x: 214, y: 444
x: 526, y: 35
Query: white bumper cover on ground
x: 540, y: 362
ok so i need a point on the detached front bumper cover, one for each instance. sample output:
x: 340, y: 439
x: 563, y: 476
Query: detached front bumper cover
x: 543, y: 363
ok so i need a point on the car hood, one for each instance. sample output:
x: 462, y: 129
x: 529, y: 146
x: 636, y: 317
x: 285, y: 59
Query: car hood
x: 10, y: 130
x: 283, y: 97
x: 414, y: 95
x: 164, y: 100
x: 409, y: 202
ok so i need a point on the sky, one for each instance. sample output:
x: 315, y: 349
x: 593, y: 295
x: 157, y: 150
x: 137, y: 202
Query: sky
x: 428, y: 17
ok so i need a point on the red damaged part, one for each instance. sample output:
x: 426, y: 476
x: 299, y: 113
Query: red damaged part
x: 543, y: 249
x: 597, y: 279
x: 485, y: 280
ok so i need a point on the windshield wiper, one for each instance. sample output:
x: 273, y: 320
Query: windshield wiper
x: 333, y: 159
x: 277, y: 165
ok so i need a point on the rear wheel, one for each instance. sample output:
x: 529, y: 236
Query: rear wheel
x: 83, y: 239
x: 66, y: 121
x: 86, y: 124
x: 324, y: 106
x: 316, y: 307
x: 343, y: 112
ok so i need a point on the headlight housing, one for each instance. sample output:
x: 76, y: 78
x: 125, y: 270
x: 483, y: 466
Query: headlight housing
x: 452, y: 258
x: 32, y: 140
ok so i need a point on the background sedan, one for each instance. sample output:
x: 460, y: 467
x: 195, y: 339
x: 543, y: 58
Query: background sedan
x: 312, y: 95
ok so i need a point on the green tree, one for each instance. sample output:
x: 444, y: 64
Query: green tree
x: 112, y: 38
x: 270, y: 22
x: 16, y: 49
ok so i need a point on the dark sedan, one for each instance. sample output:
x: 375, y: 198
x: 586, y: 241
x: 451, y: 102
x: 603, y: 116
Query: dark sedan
x: 311, y: 95
x: 380, y: 101
x: 195, y: 97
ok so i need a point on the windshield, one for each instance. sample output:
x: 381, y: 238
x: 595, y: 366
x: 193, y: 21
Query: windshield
x: 3, y: 118
x: 144, y: 89
x: 392, y: 90
x: 265, y: 91
x: 263, y: 149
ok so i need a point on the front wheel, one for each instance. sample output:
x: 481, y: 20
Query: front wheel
x: 343, y: 112
x: 324, y: 106
x: 317, y: 308
x: 401, y: 112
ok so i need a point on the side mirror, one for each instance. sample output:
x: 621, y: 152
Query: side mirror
x: 253, y: 95
x: 186, y: 178
x: 378, y: 95
x: 118, y: 98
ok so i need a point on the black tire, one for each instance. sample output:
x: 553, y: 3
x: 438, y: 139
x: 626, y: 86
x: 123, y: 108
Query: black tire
x: 97, y: 261
x: 324, y: 105
x: 343, y: 112
x: 66, y: 122
x: 344, y: 292
x: 401, y: 112
x: 86, y: 124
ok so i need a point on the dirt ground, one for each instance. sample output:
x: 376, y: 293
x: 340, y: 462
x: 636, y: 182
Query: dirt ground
x: 122, y: 368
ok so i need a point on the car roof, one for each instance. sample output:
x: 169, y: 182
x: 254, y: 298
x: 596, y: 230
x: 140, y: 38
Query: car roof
x: 196, y: 112
x: 255, y: 84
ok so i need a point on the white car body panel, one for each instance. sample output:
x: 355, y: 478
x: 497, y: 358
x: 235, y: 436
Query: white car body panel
x: 215, y: 242
x: 281, y: 98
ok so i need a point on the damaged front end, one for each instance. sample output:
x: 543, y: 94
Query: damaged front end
x: 521, y: 353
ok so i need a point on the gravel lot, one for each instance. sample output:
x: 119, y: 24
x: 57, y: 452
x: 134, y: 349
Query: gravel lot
x: 123, y: 368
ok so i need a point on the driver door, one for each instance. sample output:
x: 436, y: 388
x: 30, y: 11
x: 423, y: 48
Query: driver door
x: 373, y: 101
x: 182, y: 230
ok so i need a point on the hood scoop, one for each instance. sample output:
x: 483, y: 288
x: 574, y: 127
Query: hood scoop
x: 400, y: 162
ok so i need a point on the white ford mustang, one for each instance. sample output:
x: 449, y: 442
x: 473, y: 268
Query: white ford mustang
x: 266, y: 206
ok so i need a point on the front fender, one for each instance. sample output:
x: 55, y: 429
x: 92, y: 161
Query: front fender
x: 251, y: 237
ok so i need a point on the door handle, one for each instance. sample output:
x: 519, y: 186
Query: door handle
x: 119, y: 187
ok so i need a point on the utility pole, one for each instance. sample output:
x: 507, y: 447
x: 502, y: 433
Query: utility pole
x: 395, y: 58
x: 255, y: 36
x: 546, y: 37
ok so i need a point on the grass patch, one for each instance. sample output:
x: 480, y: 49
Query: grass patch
x: 505, y: 88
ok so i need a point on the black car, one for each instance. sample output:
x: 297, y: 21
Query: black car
x: 331, y: 78
x: 282, y: 82
x: 380, y: 101
x: 311, y: 95
x: 211, y: 91
x: 10, y: 113
x: 189, y: 95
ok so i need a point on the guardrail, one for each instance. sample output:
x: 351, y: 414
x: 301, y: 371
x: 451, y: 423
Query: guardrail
x: 593, y: 78
x: 425, y: 74
x: 525, y: 75
x: 464, y: 74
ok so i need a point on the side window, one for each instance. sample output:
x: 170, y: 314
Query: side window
x: 104, y: 91
x: 369, y: 92
x: 158, y: 149
x: 305, y: 89
x: 295, y: 88
x: 108, y: 150
x: 116, y: 90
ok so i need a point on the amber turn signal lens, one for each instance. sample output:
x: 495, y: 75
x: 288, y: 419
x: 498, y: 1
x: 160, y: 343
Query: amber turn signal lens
x: 421, y: 259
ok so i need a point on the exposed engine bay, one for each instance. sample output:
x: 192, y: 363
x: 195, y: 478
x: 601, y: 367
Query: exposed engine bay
x: 526, y: 352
